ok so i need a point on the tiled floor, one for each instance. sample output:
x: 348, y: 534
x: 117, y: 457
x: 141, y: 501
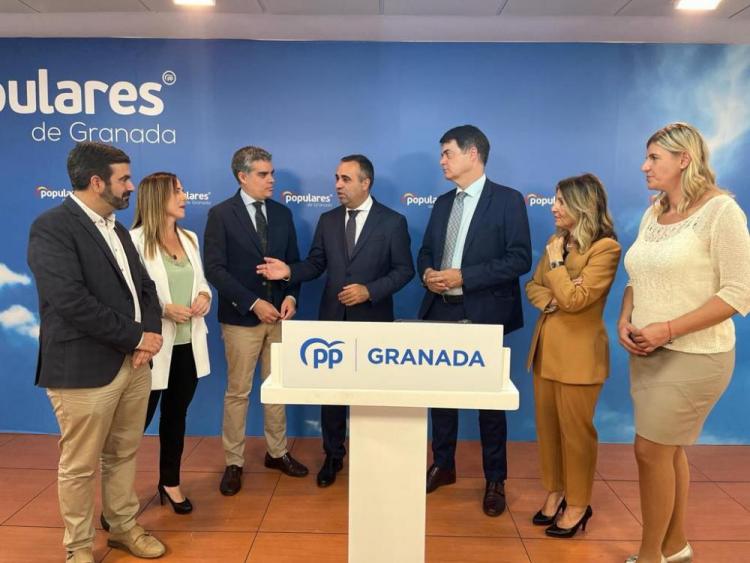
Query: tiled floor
x: 277, y: 519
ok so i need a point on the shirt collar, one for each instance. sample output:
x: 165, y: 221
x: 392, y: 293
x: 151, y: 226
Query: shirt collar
x: 475, y: 188
x: 248, y: 200
x: 93, y: 215
x: 365, y: 207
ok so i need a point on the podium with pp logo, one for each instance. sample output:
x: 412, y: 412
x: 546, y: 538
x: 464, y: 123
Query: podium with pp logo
x: 389, y: 374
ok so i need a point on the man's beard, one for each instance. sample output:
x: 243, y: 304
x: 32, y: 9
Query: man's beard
x: 118, y: 203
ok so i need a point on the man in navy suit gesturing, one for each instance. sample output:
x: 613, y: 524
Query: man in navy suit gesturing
x: 239, y: 233
x: 475, y: 247
x: 365, y: 248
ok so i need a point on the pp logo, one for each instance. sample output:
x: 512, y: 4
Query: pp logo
x: 323, y: 353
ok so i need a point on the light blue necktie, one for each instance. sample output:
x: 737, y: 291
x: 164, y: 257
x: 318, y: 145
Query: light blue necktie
x: 451, y: 235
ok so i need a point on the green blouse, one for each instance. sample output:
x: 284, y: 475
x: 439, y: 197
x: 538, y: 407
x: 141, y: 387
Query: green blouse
x: 180, y: 276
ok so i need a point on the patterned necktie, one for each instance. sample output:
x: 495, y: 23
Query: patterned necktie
x: 451, y: 235
x: 261, y: 225
x: 351, y: 231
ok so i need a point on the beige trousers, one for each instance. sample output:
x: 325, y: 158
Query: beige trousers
x: 567, y: 437
x: 243, y: 345
x: 100, y: 424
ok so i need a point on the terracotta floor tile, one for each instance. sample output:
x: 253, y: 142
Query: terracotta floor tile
x: 722, y: 463
x: 32, y: 451
x: 208, y: 456
x: 36, y: 545
x: 523, y: 460
x: 213, y: 511
x: 728, y: 519
x: 456, y: 510
x: 310, y: 452
x: 562, y: 551
x: 611, y: 519
x: 721, y: 552
x: 299, y: 505
x: 148, y: 452
x: 44, y: 510
x: 298, y: 548
x: 475, y: 550
x: 738, y: 491
x: 200, y: 547
x: 19, y: 486
x: 6, y: 437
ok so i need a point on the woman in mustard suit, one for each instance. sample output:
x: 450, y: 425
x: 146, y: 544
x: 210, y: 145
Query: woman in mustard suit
x: 570, y: 348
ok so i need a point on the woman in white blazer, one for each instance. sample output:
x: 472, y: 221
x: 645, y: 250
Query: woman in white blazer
x: 171, y: 257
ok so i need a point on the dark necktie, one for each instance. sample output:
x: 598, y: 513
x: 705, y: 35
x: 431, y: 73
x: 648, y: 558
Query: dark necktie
x: 351, y: 231
x: 261, y: 225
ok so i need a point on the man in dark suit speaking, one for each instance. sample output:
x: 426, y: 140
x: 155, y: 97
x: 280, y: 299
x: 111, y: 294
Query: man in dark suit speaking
x: 475, y: 247
x: 100, y: 327
x: 365, y: 249
x: 240, y: 231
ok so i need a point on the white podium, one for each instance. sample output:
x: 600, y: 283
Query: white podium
x: 389, y: 374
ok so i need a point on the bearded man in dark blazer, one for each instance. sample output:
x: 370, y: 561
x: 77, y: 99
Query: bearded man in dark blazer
x: 100, y: 327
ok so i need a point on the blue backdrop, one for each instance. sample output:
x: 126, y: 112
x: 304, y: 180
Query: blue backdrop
x: 550, y: 111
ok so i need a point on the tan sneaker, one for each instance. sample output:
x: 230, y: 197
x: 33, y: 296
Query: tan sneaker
x: 84, y: 555
x: 138, y: 542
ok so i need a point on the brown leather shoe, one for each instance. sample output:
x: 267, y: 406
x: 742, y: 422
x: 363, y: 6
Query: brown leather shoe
x: 494, y: 498
x: 83, y: 555
x: 437, y: 477
x: 138, y: 542
x: 231, y: 482
x: 286, y: 464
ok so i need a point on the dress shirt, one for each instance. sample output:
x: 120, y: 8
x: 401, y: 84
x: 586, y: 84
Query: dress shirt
x: 248, y: 201
x: 106, y: 226
x: 473, y: 191
x: 360, y: 218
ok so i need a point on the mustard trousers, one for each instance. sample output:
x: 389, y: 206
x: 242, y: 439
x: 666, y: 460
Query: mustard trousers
x: 567, y: 438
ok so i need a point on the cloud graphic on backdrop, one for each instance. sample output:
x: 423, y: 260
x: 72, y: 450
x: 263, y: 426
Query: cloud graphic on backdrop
x: 19, y: 319
x: 9, y: 277
x: 714, y: 96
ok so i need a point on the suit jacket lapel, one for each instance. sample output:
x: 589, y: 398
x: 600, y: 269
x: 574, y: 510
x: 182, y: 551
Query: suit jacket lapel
x: 89, y: 226
x: 371, y: 222
x: 243, y: 217
x: 482, y: 206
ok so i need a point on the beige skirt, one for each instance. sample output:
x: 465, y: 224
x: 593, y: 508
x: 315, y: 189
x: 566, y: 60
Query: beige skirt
x: 673, y: 392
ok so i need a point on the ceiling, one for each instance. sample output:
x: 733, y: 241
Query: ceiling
x: 381, y: 20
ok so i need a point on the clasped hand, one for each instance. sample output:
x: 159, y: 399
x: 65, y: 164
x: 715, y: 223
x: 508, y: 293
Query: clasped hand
x: 642, y: 341
x: 147, y: 349
x: 440, y: 281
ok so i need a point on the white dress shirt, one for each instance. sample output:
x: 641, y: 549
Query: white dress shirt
x: 473, y: 192
x: 359, y: 218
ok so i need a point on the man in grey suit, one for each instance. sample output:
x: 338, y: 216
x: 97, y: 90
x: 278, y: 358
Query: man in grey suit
x: 100, y: 327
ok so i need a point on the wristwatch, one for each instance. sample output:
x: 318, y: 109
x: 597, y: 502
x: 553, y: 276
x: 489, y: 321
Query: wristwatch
x: 556, y: 264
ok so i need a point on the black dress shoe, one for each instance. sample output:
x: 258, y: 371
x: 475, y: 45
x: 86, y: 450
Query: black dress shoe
x: 286, y: 464
x: 327, y: 473
x: 554, y: 531
x: 184, y: 507
x: 231, y: 482
x: 494, y: 498
x: 437, y: 477
x: 541, y: 519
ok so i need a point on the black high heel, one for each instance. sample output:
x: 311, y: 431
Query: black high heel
x: 184, y: 507
x: 541, y: 519
x: 554, y: 531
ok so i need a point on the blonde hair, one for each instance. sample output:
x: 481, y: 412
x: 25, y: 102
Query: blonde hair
x: 697, y: 177
x: 154, y: 192
x: 586, y: 203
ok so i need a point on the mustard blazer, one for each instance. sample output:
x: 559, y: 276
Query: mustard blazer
x: 570, y: 345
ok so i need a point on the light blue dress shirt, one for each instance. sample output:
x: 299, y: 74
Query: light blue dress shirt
x: 473, y: 192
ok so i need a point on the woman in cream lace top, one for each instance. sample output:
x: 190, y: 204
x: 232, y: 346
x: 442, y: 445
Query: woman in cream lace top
x: 689, y: 273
